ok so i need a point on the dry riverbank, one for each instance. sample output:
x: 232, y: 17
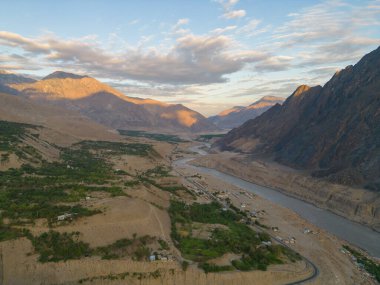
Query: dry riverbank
x: 355, y: 204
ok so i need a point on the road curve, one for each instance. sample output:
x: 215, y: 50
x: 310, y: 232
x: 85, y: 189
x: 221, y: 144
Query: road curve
x: 315, y: 273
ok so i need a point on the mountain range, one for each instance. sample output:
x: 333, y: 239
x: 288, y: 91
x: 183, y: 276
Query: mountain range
x: 238, y: 115
x: 103, y: 104
x: 333, y: 131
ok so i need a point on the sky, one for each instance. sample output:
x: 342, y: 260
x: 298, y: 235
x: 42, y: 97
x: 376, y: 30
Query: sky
x: 209, y: 55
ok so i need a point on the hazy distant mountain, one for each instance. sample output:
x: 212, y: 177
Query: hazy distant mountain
x: 10, y: 78
x: 238, y: 115
x: 332, y: 130
x: 110, y: 107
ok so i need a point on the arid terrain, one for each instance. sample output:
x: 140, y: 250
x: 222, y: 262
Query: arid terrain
x: 141, y: 210
x: 132, y: 208
x: 219, y: 142
x: 319, y: 246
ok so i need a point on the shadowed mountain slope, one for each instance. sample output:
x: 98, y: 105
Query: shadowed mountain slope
x: 70, y: 123
x: 333, y: 130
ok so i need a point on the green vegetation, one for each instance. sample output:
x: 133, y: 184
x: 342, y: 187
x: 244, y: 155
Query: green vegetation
x: 39, y: 188
x: 131, y: 183
x: 35, y: 192
x: 259, y: 258
x: 163, y: 244
x: 185, y: 265
x: 7, y: 232
x: 122, y: 276
x: 136, y: 247
x: 160, y: 171
x: 233, y: 236
x: 118, y: 148
x: 369, y: 265
x: 11, y: 138
x: 208, y: 137
x: 207, y: 267
x: 152, y: 136
x: 54, y: 246
x: 11, y: 134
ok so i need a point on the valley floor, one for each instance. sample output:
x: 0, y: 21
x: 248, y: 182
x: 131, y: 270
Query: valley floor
x: 356, y: 204
x: 143, y: 210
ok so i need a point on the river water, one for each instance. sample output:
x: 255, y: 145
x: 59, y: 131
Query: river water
x: 352, y: 232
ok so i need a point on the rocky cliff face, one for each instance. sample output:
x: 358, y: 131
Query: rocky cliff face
x: 333, y: 130
x: 110, y: 107
x: 238, y: 115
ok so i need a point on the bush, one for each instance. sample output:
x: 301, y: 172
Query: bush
x: 54, y: 246
x: 185, y: 265
x: 207, y: 267
x: 237, y: 238
x: 370, y: 266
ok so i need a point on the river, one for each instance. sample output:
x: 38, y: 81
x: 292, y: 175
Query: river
x: 352, y: 232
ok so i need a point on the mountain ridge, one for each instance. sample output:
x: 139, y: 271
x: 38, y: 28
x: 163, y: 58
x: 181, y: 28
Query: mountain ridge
x: 237, y: 115
x: 108, y: 106
x: 332, y: 131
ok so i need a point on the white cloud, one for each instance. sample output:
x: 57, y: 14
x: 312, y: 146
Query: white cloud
x: 223, y: 30
x: 329, y: 32
x: 178, y: 30
x: 134, y: 22
x: 227, y: 4
x: 274, y: 63
x: 192, y: 59
x: 234, y: 14
x: 183, y: 21
x: 229, y: 12
x: 252, y: 29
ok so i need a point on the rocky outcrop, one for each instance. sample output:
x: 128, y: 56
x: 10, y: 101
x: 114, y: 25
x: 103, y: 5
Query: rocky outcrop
x: 333, y: 130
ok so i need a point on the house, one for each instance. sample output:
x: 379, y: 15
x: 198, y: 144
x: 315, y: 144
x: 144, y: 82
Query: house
x: 152, y: 258
x: 64, y: 216
x: 222, y: 195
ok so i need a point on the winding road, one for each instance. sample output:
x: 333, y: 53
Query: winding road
x: 315, y: 270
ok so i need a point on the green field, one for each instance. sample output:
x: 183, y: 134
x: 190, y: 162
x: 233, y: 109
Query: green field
x: 237, y: 238
x: 152, y: 136
x: 42, y: 189
x: 208, y: 137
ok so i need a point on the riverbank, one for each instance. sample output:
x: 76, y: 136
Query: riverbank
x: 357, y: 205
x: 319, y: 246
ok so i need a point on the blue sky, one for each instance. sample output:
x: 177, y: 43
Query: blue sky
x: 208, y: 55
